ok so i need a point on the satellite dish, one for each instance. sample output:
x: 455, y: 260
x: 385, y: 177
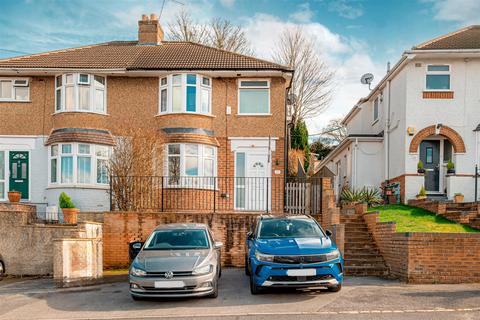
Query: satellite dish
x: 367, y: 78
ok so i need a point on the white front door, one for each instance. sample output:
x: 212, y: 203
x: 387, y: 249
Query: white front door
x: 252, y: 183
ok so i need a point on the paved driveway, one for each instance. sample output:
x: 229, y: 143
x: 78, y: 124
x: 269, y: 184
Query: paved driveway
x: 361, y: 298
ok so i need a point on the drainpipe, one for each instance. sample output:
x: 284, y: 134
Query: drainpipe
x: 387, y: 137
x: 354, y: 165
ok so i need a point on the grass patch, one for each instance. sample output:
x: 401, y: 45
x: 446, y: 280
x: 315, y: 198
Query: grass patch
x: 412, y: 219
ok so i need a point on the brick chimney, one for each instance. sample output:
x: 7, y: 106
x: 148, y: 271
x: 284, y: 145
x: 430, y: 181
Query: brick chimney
x: 149, y: 30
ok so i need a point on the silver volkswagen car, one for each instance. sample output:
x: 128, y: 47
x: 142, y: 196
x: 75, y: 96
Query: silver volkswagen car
x: 177, y: 260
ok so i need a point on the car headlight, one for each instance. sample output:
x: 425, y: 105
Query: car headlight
x: 138, y: 272
x: 332, y: 255
x: 263, y: 257
x: 203, y: 270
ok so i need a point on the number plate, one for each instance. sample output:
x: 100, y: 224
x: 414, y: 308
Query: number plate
x: 169, y: 284
x: 301, y: 272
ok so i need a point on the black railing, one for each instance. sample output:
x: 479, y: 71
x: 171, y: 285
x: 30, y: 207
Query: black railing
x: 216, y: 194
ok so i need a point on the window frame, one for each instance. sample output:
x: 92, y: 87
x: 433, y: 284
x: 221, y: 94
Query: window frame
x: 75, y: 154
x: 239, y: 88
x: 13, y: 95
x: 199, y: 87
x: 376, y: 105
x: 449, y: 73
x: 76, y: 85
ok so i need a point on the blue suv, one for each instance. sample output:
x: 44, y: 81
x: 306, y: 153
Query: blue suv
x: 294, y: 252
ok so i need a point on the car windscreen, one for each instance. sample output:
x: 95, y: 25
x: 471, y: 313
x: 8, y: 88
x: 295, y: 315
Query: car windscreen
x: 177, y: 239
x: 289, y: 228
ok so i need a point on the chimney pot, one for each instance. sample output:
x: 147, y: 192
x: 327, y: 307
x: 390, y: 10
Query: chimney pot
x: 144, y: 17
x: 153, y: 17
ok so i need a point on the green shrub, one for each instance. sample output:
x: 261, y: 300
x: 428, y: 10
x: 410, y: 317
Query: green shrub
x: 458, y: 194
x: 371, y: 196
x: 65, y: 201
x: 423, y: 192
x: 366, y: 195
x: 420, y: 165
x: 450, y: 165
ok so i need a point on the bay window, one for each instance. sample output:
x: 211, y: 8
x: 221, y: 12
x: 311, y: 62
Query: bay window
x: 78, y: 163
x: 80, y: 92
x: 185, y: 93
x: 14, y: 89
x: 438, y: 77
x: 186, y: 160
x: 254, y: 97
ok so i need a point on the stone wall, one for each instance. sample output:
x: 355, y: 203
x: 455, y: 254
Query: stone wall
x: 427, y: 257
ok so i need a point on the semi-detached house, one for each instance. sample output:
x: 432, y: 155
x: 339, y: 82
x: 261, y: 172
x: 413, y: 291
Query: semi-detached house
x: 216, y: 114
x: 426, y: 109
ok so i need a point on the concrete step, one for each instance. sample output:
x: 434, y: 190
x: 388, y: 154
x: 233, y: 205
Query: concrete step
x: 366, y: 270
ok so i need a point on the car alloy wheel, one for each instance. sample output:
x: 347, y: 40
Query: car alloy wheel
x: 254, y: 289
x: 2, y: 269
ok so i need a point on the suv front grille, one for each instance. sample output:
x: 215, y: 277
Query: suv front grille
x: 300, y: 259
x: 301, y: 279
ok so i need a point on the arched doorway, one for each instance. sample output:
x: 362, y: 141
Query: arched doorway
x: 436, y: 145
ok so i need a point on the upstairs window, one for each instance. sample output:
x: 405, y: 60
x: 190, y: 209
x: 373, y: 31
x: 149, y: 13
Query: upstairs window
x: 438, y: 77
x: 254, y: 97
x: 185, y: 93
x: 17, y: 89
x: 375, y: 109
x: 80, y: 92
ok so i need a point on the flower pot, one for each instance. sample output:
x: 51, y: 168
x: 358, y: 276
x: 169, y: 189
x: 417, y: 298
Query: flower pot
x: 451, y: 171
x: 421, y: 197
x: 14, y: 196
x: 458, y: 198
x: 421, y: 171
x: 70, y: 215
x: 361, y: 208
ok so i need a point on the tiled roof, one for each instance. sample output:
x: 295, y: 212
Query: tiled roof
x: 129, y: 55
x: 466, y: 38
x: 80, y: 135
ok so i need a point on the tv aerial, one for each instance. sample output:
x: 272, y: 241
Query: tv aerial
x: 367, y: 78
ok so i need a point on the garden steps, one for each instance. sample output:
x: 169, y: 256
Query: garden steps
x: 361, y: 254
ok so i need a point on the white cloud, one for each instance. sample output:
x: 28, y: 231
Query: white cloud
x: 227, y: 3
x: 303, y: 14
x: 346, y: 9
x: 348, y: 57
x: 462, y: 11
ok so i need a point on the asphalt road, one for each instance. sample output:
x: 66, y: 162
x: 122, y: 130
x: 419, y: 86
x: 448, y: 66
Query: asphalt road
x: 360, y: 298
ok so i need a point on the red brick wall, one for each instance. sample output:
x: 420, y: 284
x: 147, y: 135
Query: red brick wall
x: 432, y: 206
x: 427, y: 257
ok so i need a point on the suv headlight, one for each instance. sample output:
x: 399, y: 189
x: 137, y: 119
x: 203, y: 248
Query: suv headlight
x: 263, y: 257
x: 138, y: 272
x: 203, y: 270
x: 335, y: 254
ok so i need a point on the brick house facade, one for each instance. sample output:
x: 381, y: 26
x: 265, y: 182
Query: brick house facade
x: 215, y: 114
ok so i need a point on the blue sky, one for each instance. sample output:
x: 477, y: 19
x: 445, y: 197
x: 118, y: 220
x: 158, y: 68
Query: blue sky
x: 352, y: 36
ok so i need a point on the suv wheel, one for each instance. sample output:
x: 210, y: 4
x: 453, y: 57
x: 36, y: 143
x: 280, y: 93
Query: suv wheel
x: 247, y: 268
x: 2, y: 269
x: 254, y: 289
x: 336, y: 288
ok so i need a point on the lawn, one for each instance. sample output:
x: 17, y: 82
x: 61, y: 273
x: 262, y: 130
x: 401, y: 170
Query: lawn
x: 411, y: 219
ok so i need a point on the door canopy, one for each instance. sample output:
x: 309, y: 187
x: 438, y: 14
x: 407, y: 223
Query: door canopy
x: 452, y: 136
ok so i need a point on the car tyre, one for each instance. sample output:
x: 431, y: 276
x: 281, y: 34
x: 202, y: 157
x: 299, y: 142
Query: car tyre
x: 254, y: 289
x: 2, y: 270
x: 336, y: 288
x: 214, y: 294
x: 247, y: 268
x: 137, y: 298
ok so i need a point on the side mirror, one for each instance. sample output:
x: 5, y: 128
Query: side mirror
x: 249, y: 235
x: 134, y: 249
x: 218, y: 244
x: 328, y: 233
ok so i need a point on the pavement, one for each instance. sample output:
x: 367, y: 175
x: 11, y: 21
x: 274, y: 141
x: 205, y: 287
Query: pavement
x: 360, y: 298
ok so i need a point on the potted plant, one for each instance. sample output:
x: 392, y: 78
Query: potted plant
x: 458, y: 197
x: 68, y: 208
x: 14, y: 196
x: 420, y: 168
x: 450, y: 167
x: 422, y: 195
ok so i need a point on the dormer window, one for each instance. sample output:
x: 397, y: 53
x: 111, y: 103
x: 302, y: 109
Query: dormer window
x: 438, y: 77
x: 185, y: 93
x: 80, y: 92
x: 14, y: 89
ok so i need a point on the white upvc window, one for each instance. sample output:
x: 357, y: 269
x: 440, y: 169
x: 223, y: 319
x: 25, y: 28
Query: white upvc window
x: 80, y: 92
x: 375, y: 109
x: 185, y: 93
x: 3, y: 179
x: 185, y: 161
x: 438, y: 77
x: 14, y: 89
x: 78, y: 163
x: 254, y: 97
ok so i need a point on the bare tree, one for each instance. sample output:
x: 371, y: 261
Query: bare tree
x: 335, y: 130
x: 132, y: 158
x: 218, y: 33
x: 312, y: 81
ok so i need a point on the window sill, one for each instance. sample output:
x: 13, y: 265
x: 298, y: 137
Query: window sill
x: 185, y: 113
x: 79, y: 111
x: 374, y: 122
x: 78, y: 186
x: 254, y: 114
x: 16, y: 101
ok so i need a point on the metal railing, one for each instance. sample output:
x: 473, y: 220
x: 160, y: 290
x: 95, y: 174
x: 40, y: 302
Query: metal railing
x: 216, y: 194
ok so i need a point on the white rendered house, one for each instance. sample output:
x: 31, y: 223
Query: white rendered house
x: 426, y: 108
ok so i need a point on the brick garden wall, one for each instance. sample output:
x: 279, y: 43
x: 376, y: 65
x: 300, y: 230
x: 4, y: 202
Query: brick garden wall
x: 427, y: 257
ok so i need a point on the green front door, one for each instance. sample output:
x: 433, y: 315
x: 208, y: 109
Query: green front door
x: 19, y: 172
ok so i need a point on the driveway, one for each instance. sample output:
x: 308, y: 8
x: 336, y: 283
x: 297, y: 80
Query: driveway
x: 361, y: 298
